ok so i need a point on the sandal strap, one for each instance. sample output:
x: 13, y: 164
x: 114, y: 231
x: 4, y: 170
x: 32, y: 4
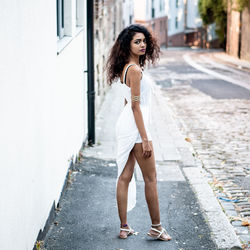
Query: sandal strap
x: 156, y: 225
x: 125, y: 229
x: 158, y: 231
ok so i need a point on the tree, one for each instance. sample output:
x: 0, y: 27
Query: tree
x: 215, y: 11
x: 241, y: 4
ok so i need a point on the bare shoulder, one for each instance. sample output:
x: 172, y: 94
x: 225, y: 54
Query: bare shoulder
x: 134, y: 71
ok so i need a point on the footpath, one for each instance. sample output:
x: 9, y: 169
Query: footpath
x: 88, y: 219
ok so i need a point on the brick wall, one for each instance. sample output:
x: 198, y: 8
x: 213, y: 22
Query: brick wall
x: 176, y: 40
x: 159, y: 28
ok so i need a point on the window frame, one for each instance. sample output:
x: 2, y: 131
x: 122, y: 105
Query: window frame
x: 70, y: 21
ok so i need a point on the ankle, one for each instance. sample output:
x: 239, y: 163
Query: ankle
x: 125, y: 225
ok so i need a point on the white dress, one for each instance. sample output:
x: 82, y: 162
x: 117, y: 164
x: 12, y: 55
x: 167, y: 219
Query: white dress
x: 127, y: 133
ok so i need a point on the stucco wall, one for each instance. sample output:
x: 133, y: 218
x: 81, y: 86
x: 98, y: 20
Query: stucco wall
x: 233, y: 22
x: 245, y: 37
x: 43, y: 117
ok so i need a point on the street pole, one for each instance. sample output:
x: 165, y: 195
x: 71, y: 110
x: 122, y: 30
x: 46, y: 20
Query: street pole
x: 90, y: 71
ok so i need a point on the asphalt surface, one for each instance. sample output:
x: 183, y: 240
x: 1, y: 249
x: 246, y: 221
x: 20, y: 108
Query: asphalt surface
x: 219, y: 89
x: 88, y: 217
x: 174, y: 68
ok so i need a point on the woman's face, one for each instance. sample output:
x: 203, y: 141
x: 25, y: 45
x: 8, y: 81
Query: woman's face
x: 138, y: 44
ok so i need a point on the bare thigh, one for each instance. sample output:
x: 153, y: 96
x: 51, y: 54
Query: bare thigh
x: 147, y: 165
x: 128, y: 170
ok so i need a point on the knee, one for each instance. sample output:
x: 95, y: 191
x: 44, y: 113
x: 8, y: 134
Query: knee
x: 125, y: 178
x: 150, y: 179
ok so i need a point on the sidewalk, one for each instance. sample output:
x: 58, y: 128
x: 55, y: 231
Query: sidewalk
x: 228, y: 59
x: 88, y: 217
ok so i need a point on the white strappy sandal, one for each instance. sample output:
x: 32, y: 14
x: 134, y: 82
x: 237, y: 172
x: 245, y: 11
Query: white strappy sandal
x: 129, y: 230
x: 158, y: 237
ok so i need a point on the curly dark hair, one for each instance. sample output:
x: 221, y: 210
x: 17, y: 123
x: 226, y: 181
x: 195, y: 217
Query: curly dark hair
x: 120, y: 52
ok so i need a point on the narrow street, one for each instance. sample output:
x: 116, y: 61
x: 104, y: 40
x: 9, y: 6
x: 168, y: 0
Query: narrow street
x: 216, y: 159
x: 215, y: 115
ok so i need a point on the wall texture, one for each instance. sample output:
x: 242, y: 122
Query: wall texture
x: 43, y: 117
x: 245, y: 35
x: 238, y: 43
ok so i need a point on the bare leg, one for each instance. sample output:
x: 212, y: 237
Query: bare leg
x: 122, y: 191
x: 148, y: 169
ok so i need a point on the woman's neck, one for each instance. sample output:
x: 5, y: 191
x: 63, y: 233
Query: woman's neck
x: 134, y: 59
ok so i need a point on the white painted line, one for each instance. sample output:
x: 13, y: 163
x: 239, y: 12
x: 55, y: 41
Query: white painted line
x: 197, y: 66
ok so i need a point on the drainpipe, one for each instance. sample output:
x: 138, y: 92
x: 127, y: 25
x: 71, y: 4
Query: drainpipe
x: 91, y: 73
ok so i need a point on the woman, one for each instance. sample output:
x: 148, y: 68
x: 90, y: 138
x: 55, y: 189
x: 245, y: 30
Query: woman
x: 133, y: 47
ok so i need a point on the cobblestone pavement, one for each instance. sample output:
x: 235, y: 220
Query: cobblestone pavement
x: 218, y: 129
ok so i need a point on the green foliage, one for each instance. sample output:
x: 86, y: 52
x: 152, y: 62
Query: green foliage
x: 215, y: 11
x: 241, y: 4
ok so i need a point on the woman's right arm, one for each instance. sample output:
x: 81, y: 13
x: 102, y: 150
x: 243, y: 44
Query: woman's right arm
x: 134, y: 78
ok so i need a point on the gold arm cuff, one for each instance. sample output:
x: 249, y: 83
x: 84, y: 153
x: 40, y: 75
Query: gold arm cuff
x: 135, y: 98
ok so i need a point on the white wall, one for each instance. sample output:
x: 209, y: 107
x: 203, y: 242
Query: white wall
x: 172, y: 13
x: 193, y: 17
x: 128, y: 10
x: 43, y: 117
x: 143, y: 9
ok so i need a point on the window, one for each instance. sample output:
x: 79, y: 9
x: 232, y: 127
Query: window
x: 70, y: 21
x: 60, y: 18
x: 152, y: 9
x: 162, y: 5
x: 69, y: 16
x: 130, y: 19
x: 176, y: 22
x: 153, y: 13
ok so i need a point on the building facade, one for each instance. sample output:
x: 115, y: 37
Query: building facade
x: 184, y: 23
x: 128, y: 12
x: 43, y: 111
x: 152, y: 13
x: 238, y: 39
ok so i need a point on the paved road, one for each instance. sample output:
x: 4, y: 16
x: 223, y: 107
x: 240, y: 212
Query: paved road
x: 88, y: 218
x: 176, y: 67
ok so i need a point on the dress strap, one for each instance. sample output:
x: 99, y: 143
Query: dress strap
x: 124, y: 77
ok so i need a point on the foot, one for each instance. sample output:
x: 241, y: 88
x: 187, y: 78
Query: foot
x: 158, y: 232
x: 125, y: 231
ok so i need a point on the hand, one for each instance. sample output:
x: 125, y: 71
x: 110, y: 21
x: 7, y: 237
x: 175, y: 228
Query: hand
x: 146, y: 149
